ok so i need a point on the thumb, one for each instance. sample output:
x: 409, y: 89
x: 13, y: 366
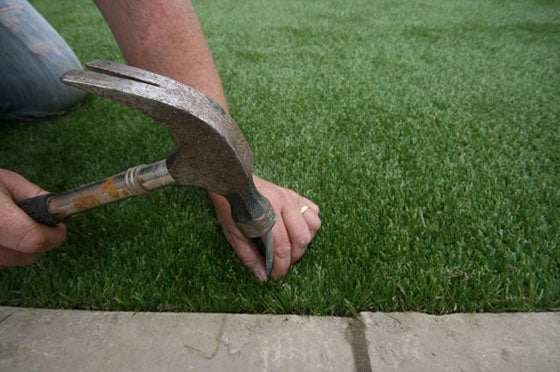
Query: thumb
x: 247, y: 252
x: 245, y: 248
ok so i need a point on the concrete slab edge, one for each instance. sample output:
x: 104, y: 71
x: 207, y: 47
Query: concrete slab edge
x: 69, y: 340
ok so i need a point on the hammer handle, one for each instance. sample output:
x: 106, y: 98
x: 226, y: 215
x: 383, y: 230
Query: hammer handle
x: 51, y: 209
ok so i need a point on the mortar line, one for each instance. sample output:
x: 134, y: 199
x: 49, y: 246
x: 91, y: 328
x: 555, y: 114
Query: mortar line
x: 355, y: 334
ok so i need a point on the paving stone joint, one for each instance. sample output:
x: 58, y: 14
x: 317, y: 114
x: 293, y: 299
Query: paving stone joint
x: 70, y: 340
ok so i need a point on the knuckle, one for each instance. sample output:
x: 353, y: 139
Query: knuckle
x: 293, y: 194
x: 315, y: 225
x: 304, y: 239
x: 247, y: 261
x: 287, y: 194
x: 284, y: 250
x: 233, y: 237
x: 246, y: 258
x: 283, y: 194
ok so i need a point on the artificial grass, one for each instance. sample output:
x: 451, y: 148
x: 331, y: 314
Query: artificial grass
x: 427, y: 132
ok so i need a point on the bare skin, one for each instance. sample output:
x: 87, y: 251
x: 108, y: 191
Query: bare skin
x: 164, y: 36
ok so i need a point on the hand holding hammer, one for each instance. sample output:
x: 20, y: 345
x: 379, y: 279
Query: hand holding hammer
x: 210, y: 153
x: 164, y: 37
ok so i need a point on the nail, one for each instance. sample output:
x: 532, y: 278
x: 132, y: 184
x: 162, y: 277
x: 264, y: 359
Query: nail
x: 262, y: 276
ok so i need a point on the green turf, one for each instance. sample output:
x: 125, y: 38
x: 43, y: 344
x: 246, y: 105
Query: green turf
x: 427, y: 131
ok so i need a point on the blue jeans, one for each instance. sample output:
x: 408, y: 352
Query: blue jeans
x: 33, y: 56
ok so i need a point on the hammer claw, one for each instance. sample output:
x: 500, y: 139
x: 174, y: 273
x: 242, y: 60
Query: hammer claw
x: 143, y: 96
x: 211, y: 151
x: 129, y: 72
x: 130, y: 92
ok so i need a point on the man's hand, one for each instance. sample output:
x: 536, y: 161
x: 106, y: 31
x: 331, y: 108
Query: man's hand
x: 22, y: 240
x: 165, y: 37
x: 292, y: 232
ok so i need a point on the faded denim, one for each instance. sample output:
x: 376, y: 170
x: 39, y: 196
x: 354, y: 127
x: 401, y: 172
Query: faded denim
x: 33, y: 56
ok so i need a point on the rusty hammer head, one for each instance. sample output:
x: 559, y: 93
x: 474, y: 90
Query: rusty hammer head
x: 210, y: 150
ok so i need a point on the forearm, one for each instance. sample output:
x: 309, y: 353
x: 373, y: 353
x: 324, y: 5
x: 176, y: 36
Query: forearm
x: 165, y: 37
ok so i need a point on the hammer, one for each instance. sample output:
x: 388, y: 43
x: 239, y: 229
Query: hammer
x: 210, y: 152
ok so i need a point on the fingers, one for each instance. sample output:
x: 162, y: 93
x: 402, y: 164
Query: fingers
x: 9, y: 258
x: 247, y: 252
x: 293, y: 231
x: 296, y: 227
x: 245, y: 249
x: 20, y: 232
x: 282, y: 249
x: 311, y: 216
x: 304, y: 201
x: 21, y: 238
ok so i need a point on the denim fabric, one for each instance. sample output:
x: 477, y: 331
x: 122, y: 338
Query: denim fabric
x: 33, y: 56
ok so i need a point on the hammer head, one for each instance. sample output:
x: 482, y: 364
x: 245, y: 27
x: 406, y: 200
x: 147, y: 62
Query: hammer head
x: 210, y: 150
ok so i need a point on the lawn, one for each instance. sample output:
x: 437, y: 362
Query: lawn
x: 427, y: 132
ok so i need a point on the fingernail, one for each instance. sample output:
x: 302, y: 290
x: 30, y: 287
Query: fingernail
x: 262, y: 276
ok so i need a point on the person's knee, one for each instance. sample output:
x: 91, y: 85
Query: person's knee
x: 32, y: 59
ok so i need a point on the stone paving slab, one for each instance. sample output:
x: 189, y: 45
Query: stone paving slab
x: 70, y: 340
x: 463, y: 342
